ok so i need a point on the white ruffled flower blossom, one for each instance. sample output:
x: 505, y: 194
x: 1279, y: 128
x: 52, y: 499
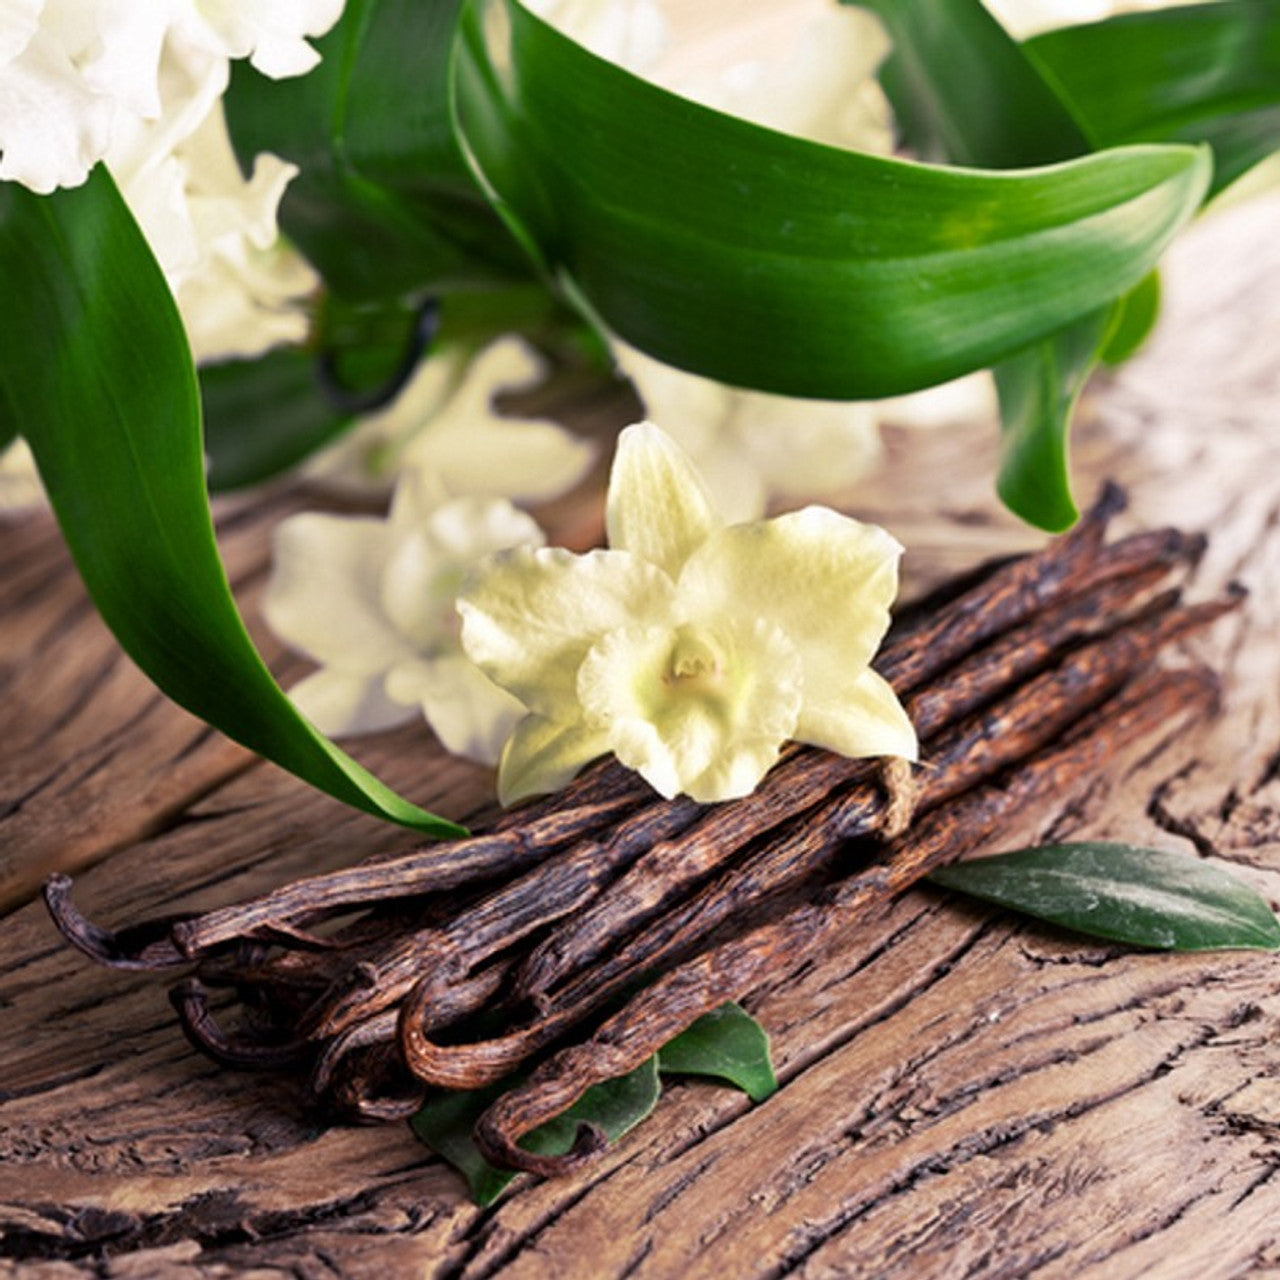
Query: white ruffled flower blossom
x: 372, y: 601
x: 73, y: 73
x: 139, y: 87
x: 691, y: 649
x: 443, y: 428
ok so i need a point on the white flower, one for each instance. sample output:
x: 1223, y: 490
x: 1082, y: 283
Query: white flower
x: 823, y: 88
x: 444, y: 429
x: 751, y: 447
x: 1023, y: 18
x: 691, y: 649
x: 372, y: 601
x: 75, y: 73
x: 631, y: 33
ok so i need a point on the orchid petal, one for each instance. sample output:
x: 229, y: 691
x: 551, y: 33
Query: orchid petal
x: 323, y: 594
x: 470, y: 715
x: 826, y: 579
x: 529, y: 618
x: 658, y: 507
x: 341, y: 702
x: 544, y: 755
x: 699, y: 710
x: 860, y: 717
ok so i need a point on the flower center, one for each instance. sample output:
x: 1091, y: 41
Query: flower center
x: 694, y: 664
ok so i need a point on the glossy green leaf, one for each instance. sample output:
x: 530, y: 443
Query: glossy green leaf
x: 1038, y: 391
x: 1005, y: 116
x: 1010, y: 115
x: 263, y: 416
x: 98, y: 377
x: 384, y: 205
x: 1139, y: 896
x: 853, y: 276
x: 1204, y: 73
x: 726, y: 1044
x: 1135, y: 317
x: 446, y: 1120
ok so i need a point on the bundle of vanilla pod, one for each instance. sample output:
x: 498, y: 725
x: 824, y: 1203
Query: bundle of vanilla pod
x: 584, y: 931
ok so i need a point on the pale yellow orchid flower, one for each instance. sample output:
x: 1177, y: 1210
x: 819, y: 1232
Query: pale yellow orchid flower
x: 692, y: 649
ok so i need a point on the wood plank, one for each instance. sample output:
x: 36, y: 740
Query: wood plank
x: 962, y: 1093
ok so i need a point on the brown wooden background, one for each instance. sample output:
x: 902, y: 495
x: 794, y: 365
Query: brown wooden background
x: 963, y: 1094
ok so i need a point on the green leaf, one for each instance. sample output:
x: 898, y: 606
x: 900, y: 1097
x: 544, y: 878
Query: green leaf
x: 1005, y: 117
x: 385, y: 205
x: 1205, y: 74
x: 1140, y: 896
x: 1038, y: 392
x: 1010, y: 115
x: 97, y: 373
x: 1133, y: 321
x: 854, y: 275
x: 446, y: 1120
x: 263, y: 416
x: 727, y: 1044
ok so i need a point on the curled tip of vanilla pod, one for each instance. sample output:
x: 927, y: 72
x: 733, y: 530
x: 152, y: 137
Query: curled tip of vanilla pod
x: 144, y: 946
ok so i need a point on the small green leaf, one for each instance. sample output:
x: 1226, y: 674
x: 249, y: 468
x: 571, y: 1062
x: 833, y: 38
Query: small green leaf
x: 727, y: 1044
x: 1140, y: 896
x: 446, y: 1120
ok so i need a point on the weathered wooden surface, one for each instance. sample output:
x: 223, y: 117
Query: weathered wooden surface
x: 963, y: 1094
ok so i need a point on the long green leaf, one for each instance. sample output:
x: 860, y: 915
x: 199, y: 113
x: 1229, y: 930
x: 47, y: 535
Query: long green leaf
x: 1010, y: 115
x: 1140, y: 896
x: 384, y: 205
x: 768, y: 261
x: 1205, y: 74
x: 97, y: 373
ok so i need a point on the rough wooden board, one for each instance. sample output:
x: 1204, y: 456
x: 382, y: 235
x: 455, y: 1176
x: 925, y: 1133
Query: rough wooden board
x: 962, y: 1094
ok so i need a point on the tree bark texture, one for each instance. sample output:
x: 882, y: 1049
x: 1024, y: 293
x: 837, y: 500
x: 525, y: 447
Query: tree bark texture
x: 963, y: 1093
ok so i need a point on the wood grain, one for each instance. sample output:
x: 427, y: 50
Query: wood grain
x: 963, y: 1094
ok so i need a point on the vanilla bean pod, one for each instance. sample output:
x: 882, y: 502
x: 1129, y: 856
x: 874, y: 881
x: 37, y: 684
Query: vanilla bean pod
x: 669, y: 868
x: 1073, y: 564
x: 540, y: 896
x: 786, y: 860
x: 427, y: 869
x: 1025, y: 721
x: 770, y: 953
x: 570, y: 878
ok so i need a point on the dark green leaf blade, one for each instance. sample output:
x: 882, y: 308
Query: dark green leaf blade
x: 1140, y: 896
x: 726, y: 1044
x: 97, y: 373
x: 1006, y: 117
x: 855, y: 276
x: 1205, y: 73
x: 263, y: 416
x: 446, y: 1120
